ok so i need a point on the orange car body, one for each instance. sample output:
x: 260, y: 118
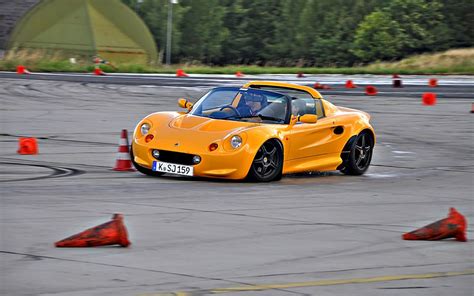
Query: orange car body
x: 306, y: 146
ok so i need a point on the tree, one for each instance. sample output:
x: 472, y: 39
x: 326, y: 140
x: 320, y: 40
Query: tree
x: 402, y: 28
x: 327, y: 30
x: 285, y: 47
x: 202, y: 31
x: 458, y: 22
x: 155, y: 15
x: 259, y: 28
x: 418, y: 19
x: 232, y: 44
x: 308, y: 32
x: 379, y: 37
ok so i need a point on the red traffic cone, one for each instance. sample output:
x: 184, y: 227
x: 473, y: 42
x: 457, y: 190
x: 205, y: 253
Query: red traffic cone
x: 98, y: 71
x: 300, y: 75
x: 181, y: 73
x: 318, y: 85
x: 239, y: 74
x: 429, y: 99
x: 350, y: 84
x: 123, y: 156
x: 396, y: 81
x: 433, y: 82
x: 452, y: 226
x: 110, y: 233
x: 27, y: 146
x: 370, y: 90
x: 20, y: 69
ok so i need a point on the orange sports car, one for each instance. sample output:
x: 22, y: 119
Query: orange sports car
x: 258, y: 131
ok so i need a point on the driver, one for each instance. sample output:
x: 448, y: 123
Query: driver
x: 298, y: 107
x: 251, y: 104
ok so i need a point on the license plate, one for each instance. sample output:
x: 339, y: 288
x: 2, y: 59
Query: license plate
x: 166, y: 167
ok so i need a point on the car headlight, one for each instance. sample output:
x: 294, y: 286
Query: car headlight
x: 235, y: 142
x: 145, y: 128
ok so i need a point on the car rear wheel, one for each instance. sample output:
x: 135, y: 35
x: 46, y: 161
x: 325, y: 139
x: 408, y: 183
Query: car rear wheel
x: 360, y: 155
x: 268, y: 163
x: 141, y: 169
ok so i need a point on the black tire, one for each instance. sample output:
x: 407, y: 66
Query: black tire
x: 141, y: 169
x: 360, y: 155
x: 268, y: 163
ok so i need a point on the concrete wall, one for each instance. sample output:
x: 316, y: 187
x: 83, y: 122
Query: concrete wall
x: 11, y: 12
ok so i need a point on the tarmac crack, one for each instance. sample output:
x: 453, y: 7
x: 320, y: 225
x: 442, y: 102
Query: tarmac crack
x: 349, y: 270
x: 326, y: 282
x: 421, y: 168
x: 403, y: 288
x: 39, y: 257
x: 346, y: 225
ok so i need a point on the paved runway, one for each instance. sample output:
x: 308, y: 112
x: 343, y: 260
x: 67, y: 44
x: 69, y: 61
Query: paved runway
x: 309, y: 234
x: 413, y: 86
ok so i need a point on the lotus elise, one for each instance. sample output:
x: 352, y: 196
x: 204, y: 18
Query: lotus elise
x: 259, y: 131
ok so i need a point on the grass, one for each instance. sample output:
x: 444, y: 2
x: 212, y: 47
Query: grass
x: 457, y: 61
x: 454, y: 61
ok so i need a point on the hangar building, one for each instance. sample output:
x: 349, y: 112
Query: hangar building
x: 107, y: 28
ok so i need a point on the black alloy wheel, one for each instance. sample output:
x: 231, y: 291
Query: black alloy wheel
x: 141, y: 169
x: 360, y: 155
x: 268, y: 162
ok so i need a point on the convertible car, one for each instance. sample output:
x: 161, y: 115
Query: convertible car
x: 258, y: 131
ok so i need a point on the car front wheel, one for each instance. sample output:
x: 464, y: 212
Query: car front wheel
x: 360, y: 155
x: 268, y: 163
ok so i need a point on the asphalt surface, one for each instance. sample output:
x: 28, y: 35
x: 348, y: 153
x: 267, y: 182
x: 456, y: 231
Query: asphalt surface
x: 308, y: 234
x: 412, y: 86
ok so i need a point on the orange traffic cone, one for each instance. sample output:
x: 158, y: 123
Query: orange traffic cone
x: 396, y: 81
x: 239, y: 74
x: 350, y: 84
x: 110, y: 233
x: 181, y: 73
x: 123, y: 156
x: 300, y: 75
x: 452, y: 226
x: 429, y: 99
x: 98, y: 71
x: 433, y: 82
x: 27, y: 146
x: 370, y: 90
x: 20, y: 69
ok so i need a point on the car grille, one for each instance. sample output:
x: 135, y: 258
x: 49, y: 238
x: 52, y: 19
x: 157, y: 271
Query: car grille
x: 176, y: 157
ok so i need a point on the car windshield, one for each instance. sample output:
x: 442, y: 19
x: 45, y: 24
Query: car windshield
x: 254, y: 105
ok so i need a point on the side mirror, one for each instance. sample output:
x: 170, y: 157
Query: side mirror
x: 183, y: 103
x: 308, y: 118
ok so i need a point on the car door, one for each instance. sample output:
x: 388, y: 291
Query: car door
x: 313, y: 139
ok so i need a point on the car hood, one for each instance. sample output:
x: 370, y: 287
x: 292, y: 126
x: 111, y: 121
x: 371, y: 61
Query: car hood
x: 204, y: 124
x: 193, y: 134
